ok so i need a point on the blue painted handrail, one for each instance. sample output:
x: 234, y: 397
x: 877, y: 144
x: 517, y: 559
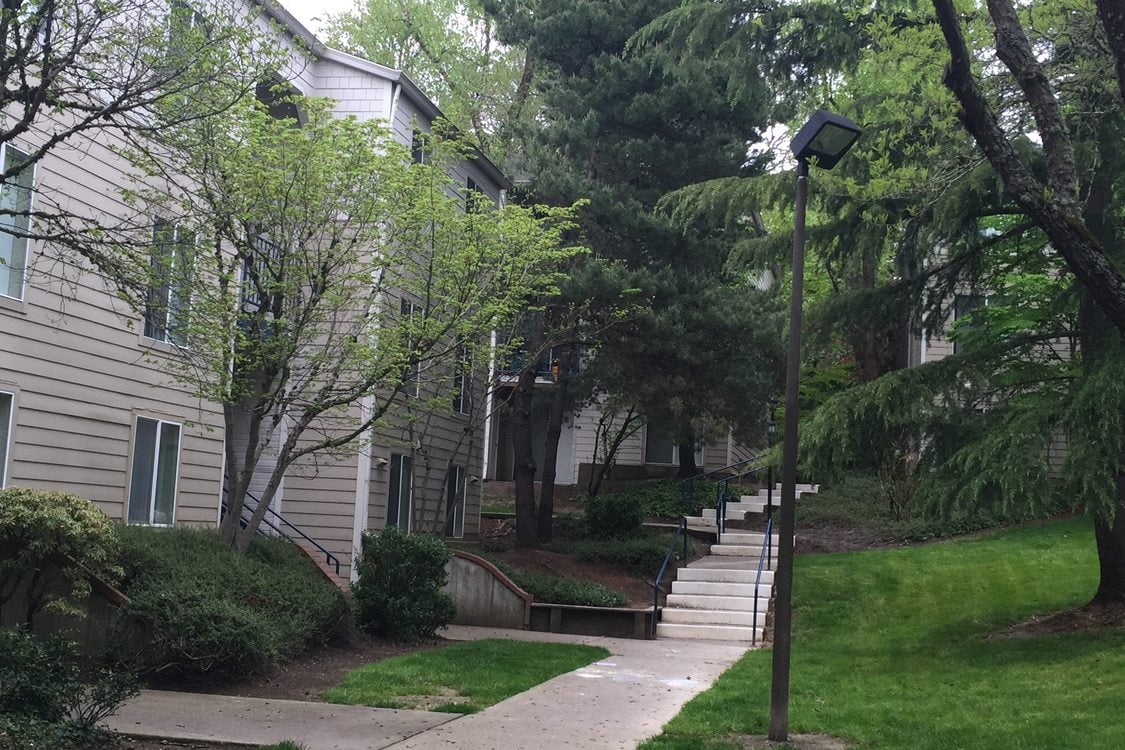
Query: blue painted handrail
x: 329, y: 558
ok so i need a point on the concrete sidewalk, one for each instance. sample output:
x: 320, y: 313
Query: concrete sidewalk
x: 614, y: 703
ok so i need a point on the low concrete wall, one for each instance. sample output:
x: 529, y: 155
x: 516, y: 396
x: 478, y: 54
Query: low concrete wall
x: 102, y: 608
x: 614, y: 622
x: 484, y: 595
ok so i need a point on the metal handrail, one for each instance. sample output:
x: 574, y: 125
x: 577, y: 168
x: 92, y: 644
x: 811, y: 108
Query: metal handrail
x: 329, y: 558
x: 681, y: 531
x: 722, y: 494
x: 687, y: 486
x: 766, y: 555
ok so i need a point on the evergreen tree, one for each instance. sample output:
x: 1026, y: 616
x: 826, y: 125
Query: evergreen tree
x: 623, y: 126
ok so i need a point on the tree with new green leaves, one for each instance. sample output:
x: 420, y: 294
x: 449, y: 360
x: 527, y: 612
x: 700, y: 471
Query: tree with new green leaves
x: 449, y: 48
x: 307, y: 275
x: 1031, y: 226
x: 73, y: 72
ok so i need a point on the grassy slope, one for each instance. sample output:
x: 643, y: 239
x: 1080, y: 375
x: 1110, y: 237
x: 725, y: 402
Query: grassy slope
x: 891, y: 650
x: 485, y: 672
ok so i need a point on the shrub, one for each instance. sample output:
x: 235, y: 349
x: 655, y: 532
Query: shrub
x: 555, y: 590
x: 44, y: 701
x: 642, y: 553
x: 663, y: 498
x: 612, y: 516
x: 38, y: 528
x: 215, y: 613
x: 399, y: 593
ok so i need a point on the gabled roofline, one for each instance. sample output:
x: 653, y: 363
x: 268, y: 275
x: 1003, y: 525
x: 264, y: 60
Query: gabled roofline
x: 414, y: 94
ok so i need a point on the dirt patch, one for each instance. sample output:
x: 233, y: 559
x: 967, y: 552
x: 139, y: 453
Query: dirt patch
x: 795, y: 741
x: 1091, y: 617
x: 307, y: 676
x: 811, y: 540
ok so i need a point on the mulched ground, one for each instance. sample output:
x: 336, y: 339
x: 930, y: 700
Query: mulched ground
x: 1091, y: 617
x: 306, y: 677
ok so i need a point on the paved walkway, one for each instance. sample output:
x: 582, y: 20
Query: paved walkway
x: 614, y: 703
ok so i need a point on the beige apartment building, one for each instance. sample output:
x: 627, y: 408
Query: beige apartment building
x: 86, y: 407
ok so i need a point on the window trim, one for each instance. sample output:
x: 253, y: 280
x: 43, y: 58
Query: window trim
x: 160, y: 422
x: 6, y: 462
x: 178, y: 242
x: 699, y: 452
x: 403, y: 459
x: 30, y: 207
x: 459, y: 487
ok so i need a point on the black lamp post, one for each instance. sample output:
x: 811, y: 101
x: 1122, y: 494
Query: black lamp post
x: 825, y: 138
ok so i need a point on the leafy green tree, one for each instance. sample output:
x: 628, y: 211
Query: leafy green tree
x: 449, y: 48
x: 73, y: 71
x: 326, y: 270
x: 1033, y: 227
x: 623, y: 126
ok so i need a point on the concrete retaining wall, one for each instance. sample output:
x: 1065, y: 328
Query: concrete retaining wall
x: 484, y: 595
x: 614, y: 622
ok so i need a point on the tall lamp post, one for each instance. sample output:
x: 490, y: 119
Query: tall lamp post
x: 825, y: 138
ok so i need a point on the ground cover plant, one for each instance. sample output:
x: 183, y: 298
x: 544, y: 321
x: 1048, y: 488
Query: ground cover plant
x: 461, y: 678
x: 861, y: 511
x: 908, y: 648
x: 640, y: 553
x: 216, y: 614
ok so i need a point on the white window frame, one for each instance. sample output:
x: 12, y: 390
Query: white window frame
x: 675, y: 453
x: 175, y: 268
x: 155, y: 470
x: 403, y: 459
x: 6, y: 458
x: 458, y: 484
x: 408, y: 308
x: 461, y: 402
x: 4, y: 148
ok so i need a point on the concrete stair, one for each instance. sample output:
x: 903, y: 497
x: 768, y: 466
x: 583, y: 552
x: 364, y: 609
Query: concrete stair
x: 722, y: 596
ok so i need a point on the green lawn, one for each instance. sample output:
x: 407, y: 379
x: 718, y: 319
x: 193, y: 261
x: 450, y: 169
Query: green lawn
x: 891, y: 649
x: 462, y: 678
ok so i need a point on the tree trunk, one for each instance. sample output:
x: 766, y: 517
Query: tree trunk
x: 1095, y: 332
x: 523, y: 472
x: 1110, y: 537
x: 688, y: 468
x: 559, y: 402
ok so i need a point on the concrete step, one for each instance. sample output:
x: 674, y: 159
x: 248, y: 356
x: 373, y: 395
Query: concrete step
x: 739, y: 550
x: 707, y: 632
x: 721, y: 588
x: 748, y: 538
x: 711, y: 617
x: 719, y: 575
x: 734, y: 512
x: 705, y: 601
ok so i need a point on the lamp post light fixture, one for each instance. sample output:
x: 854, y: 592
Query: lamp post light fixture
x: 824, y: 139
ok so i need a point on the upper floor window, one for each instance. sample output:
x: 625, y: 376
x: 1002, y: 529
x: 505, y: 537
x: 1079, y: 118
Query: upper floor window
x: 963, y: 307
x: 169, y: 292
x: 419, y: 148
x: 15, y: 206
x: 407, y: 310
x: 155, y: 472
x: 461, y: 383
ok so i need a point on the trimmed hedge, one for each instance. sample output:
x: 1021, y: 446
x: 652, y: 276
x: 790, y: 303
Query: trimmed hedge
x: 399, y: 593
x: 38, y: 527
x: 551, y: 589
x: 217, y: 614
